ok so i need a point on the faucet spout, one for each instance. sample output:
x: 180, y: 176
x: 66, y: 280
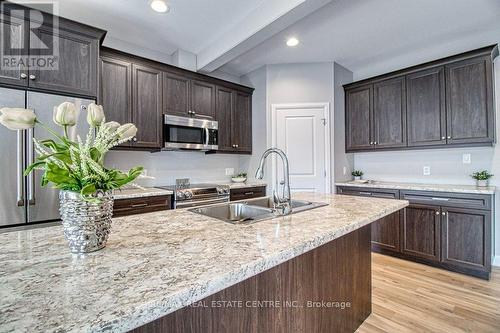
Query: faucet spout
x: 285, y: 202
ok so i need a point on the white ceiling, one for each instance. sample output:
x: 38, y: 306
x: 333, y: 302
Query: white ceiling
x: 374, y: 36
x: 190, y: 25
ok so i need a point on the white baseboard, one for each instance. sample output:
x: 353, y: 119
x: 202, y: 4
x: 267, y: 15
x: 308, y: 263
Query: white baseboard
x: 496, y: 261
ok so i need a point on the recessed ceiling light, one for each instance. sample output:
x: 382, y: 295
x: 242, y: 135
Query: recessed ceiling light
x: 292, y: 41
x: 159, y: 6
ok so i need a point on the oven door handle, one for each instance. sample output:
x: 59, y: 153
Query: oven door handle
x: 196, y: 203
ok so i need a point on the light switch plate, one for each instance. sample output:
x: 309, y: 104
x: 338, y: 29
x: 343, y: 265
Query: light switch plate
x: 427, y: 170
x: 466, y: 159
x: 229, y: 171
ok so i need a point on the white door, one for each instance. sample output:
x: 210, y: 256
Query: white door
x: 301, y: 131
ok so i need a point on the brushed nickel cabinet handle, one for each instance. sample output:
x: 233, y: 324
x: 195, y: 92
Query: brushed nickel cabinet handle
x: 23, y: 76
x: 443, y: 213
x: 249, y: 193
x: 32, y: 77
x: 437, y: 212
x: 139, y: 205
x: 443, y: 138
x: 449, y: 137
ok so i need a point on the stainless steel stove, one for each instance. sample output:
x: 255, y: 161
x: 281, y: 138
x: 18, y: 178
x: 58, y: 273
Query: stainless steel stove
x: 193, y: 195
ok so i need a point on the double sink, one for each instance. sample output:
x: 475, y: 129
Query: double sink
x: 252, y: 210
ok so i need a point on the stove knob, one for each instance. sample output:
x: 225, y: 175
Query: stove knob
x: 188, y: 195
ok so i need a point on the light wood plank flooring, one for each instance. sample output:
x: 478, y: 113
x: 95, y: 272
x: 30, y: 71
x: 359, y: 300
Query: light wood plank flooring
x: 410, y: 297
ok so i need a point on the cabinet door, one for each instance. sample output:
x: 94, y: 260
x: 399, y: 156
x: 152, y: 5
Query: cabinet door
x: 359, y: 118
x: 421, y: 232
x: 175, y: 94
x: 241, y: 122
x: 203, y: 99
x: 146, y: 113
x: 469, y: 99
x: 386, y: 231
x: 116, y: 90
x: 13, y: 45
x: 224, y: 108
x: 76, y: 68
x: 425, y: 95
x: 466, y: 238
x: 389, y: 113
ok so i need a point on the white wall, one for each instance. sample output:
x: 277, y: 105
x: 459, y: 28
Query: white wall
x: 340, y: 160
x: 167, y: 166
x: 284, y: 83
x: 446, y: 164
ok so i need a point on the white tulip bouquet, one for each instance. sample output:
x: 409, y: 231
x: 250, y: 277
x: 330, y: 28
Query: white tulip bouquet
x: 75, y: 166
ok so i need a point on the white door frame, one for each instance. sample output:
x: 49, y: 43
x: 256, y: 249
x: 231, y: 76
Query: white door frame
x: 274, y: 135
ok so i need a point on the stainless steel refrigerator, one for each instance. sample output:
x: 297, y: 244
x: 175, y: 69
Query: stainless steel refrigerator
x: 22, y: 199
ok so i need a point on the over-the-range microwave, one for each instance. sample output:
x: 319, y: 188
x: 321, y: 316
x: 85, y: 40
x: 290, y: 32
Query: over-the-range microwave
x: 190, y: 133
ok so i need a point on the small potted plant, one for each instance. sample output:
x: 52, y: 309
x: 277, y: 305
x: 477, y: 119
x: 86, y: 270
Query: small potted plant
x: 240, y: 178
x: 357, y: 174
x: 482, y: 178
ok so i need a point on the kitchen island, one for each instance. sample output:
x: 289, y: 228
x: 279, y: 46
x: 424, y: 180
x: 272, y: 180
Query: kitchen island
x: 163, y: 267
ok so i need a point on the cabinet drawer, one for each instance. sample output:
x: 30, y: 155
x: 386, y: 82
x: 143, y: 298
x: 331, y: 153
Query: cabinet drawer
x: 475, y: 201
x: 123, y: 207
x: 369, y: 192
x: 248, y: 193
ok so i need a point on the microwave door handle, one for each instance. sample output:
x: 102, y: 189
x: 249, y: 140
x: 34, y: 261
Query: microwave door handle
x: 207, y: 136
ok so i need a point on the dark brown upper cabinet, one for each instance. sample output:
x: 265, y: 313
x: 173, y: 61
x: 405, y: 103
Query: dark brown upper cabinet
x: 188, y: 97
x: 444, y: 103
x: 138, y: 90
x: 77, y: 65
x: 18, y: 45
x: 359, y: 103
x: 469, y: 101
x: 75, y: 50
x: 116, y: 90
x: 202, y: 99
x: 147, y: 106
x: 225, y: 107
x: 131, y: 91
x: 176, y: 94
x: 426, y: 108
x: 234, y: 114
x: 389, y: 113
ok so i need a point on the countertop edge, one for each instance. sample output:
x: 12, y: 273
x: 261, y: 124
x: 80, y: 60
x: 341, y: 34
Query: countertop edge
x: 423, y: 187
x: 156, y: 310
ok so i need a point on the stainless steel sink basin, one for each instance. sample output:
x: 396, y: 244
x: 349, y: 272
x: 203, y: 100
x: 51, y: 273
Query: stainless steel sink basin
x: 235, y: 212
x: 252, y: 210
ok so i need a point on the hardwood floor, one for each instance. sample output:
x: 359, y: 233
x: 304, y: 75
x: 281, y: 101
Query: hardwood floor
x: 410, y: 297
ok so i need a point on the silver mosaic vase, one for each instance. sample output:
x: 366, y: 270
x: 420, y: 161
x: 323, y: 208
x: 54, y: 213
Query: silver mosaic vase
x: 86, y: 224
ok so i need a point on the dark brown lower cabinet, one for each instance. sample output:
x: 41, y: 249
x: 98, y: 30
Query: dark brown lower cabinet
x: 124, y: 207
x: 465, y: 245
x: 289, y: 297
x: 421, y: 232
x: 447, y: 230
x: 248, y: 193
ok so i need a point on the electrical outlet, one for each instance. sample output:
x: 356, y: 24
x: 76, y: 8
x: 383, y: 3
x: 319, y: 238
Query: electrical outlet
x: 427, y: 170
x: 229, y: 171
x: 466, y: 159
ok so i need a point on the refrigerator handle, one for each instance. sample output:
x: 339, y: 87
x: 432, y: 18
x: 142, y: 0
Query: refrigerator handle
x: 20, y: 168
x: 31, y: 177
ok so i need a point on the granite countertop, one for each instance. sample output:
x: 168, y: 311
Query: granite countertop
x: 157, y: 263
x: 140, y: 193
x: 422, y: 187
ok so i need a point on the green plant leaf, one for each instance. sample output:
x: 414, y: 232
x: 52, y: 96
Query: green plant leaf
x: 30, y: 168
x: 88, y: 190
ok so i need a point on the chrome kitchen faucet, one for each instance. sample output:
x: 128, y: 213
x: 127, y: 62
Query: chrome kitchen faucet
x: 283, y: 205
